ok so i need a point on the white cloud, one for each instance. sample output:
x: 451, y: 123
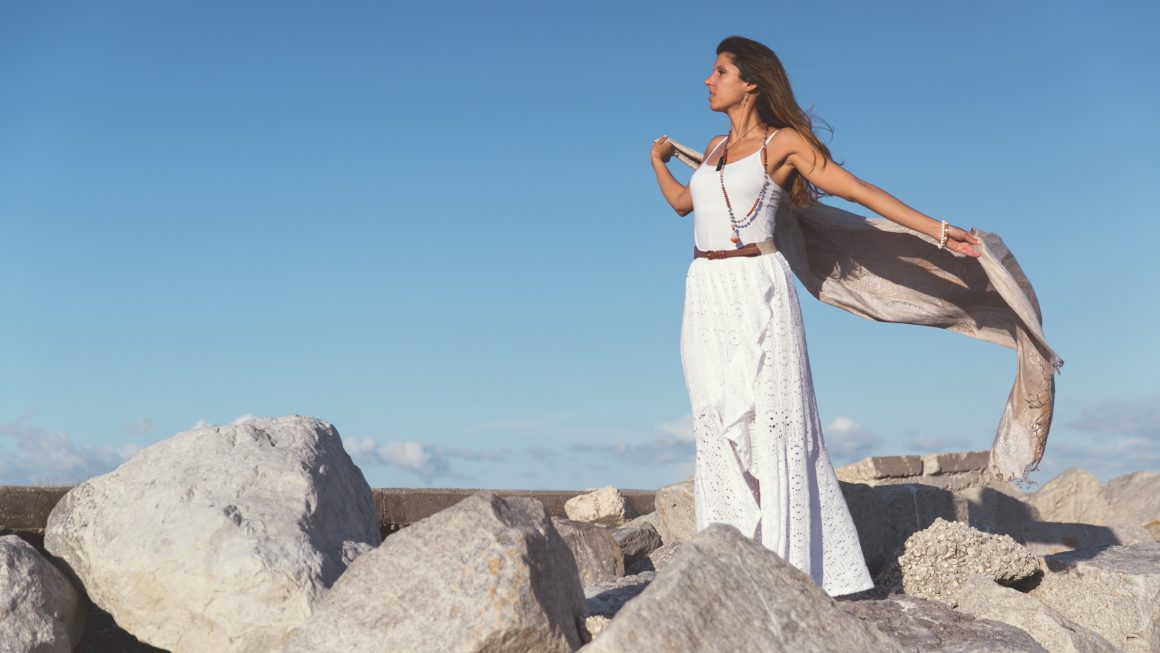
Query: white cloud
x: 675, y: 446
x: 925, y: 443
x: 543, y: 454
x: 539, y: 422
x: 1138, y: 418
x: 664, y: 450
x: 1108, y: 438
x: 847, y: 441
x: 414, y: 457
x: 142, y: 427
x: 681, y: 428
x: 428, y: 462
x: 361, y: 450
x: 31, y: 455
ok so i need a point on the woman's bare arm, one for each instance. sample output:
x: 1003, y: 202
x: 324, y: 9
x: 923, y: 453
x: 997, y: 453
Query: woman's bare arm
x: 837, y: 181
x: 676, y: 193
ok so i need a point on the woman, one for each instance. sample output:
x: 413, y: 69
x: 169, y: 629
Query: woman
x: 761, y: 462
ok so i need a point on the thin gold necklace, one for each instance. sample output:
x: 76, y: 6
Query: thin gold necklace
x: 721, y: 161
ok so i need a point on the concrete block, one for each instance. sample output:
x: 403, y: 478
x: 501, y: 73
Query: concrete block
x: 876, y: 467
x: 951, y: 463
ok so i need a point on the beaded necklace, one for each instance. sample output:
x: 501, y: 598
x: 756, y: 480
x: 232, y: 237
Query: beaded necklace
x: 754, y: 210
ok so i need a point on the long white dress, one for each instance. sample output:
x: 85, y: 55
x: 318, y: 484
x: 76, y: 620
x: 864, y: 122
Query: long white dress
x: 761, y: 460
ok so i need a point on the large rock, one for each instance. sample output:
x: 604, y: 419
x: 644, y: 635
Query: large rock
x: 674, y: 504
x: 487, y: 574
x: 1114, y: 591
x: 607, y: 598
x: 725, y: 592
x: 219, y: 538
x: 1072, y: 497
x: 654, y: 520
x: 888, y: 514
x: 605, y: 507
x: 40, y: 610
x: 637, y: 540
x: 996, y: 509
x: 985, y: 599
x: 1044, y: 538
x: 877, y: 534
x: 1135, y: 500
x: 932, y: 627
x: 938, y: 560
x: 597, y: 553
x: 656, y: 559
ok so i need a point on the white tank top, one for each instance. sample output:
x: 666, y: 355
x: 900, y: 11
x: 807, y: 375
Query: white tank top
x: 743, y: 179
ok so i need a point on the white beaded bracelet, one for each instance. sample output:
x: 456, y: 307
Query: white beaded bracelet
x: 942, y: 238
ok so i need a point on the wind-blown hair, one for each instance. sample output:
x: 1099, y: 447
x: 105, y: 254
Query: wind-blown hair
x: 776, y: 105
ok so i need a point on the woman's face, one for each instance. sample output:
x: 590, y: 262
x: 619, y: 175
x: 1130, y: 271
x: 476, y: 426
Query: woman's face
x: 725, y: 86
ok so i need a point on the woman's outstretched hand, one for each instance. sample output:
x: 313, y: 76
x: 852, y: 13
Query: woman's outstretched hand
x: 961, y: 241
x: 662, y: 149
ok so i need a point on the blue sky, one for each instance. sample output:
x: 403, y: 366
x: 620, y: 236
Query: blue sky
x: 437, y: 228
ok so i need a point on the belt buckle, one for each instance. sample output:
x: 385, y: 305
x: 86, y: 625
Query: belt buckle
x: 713, y: 254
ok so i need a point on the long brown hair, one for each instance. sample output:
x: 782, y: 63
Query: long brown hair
x: 776, y: 105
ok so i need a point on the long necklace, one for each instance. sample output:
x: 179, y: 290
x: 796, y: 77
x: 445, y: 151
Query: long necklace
x: 750, y: 215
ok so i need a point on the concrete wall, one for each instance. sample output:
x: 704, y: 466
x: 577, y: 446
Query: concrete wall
x: 24, y: 509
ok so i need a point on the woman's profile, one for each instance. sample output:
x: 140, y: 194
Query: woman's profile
x: 761, y: 461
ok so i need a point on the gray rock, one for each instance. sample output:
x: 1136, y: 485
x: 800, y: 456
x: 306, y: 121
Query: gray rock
x: 605, y: 506
x: 653, y: 519
x: 725, y: 592
x: 936, y: 561
x: 487, y: 574
x: 1135, y: 500
x: 674, y: 503
x: 655, y: 560
x: 597, y: 553
x: 637, y: 541
x: 607, y: 598
x: 877, y: 534
x: 932, y: 627
x: 985, y: 599
x: 994, y: 509
x: 1044, y: 538
x: 218, y: 538
x: 594, y: 624
x: 887, y: 515
x: 1072, y: 497
x: 1114, y: 591
x: 40, y: 610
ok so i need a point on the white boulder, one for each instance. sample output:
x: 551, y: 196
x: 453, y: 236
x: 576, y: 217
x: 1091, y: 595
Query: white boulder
x: 218, y: 538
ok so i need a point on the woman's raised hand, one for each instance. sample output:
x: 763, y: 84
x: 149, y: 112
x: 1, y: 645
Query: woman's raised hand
x: 961, y: 241
x: 662, y: 149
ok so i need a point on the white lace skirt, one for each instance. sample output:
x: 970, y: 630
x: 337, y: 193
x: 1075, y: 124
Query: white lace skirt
x: 762, y: 463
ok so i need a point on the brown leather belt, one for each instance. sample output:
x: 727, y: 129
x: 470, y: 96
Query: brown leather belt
x: 751, y: 249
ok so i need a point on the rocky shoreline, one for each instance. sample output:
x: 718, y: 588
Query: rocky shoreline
x: 263, y: 536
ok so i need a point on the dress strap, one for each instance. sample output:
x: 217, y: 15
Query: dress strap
x: 719, y: 144
x: 767, y: 140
